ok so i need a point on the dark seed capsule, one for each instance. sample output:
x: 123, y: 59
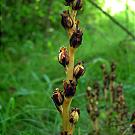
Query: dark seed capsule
x: 76, y: 38
x: 69, y: 88
x: 58, y: 97
x: 77, y: 5
x: 66, y: 20
x: 78, y: 70
x: 63, y: 57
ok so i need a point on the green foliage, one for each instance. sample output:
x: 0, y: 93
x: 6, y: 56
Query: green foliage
x: 29, y: 70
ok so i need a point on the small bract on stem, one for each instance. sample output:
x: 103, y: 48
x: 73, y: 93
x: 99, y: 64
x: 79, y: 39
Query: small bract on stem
x: 63, y: 99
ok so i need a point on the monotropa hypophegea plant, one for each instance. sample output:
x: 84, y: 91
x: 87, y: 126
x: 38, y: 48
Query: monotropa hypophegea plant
x: 63, y: 98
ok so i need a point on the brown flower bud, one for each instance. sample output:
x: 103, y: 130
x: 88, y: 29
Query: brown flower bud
x: 69, y: 88
x: 74, y: 115
x: 58, y: 97
x: 78, y: 70
x: 76, y: 38
x: 77, y: 5
x: 66, y: 20
x: 63, y: 57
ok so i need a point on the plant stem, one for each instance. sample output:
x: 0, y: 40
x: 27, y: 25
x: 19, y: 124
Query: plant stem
x: 66, y: 123
x: 66, y: 105
x: 71, y: 64
x: 67, y: 126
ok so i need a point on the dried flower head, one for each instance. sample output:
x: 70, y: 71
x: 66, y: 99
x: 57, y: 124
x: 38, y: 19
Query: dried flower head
x: 66, y: 20
x: 58, y: 97
x: 77, y: 4
x: 79, y: 70
x: 63, y: 57
x: 74, y: 115
x: 69, y: 88
x: 76, y: 38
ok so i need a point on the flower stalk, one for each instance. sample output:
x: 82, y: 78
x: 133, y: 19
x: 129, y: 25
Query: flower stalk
x: 66, y: 59
x: 92, y: 108
x: 115, y: 112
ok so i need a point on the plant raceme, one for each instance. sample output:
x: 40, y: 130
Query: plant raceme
x: 63, y: 98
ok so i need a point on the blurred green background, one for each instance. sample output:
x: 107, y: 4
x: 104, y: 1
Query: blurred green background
x: 31, y: 35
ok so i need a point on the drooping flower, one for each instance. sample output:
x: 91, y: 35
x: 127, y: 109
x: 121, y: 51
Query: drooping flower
x: 63, y: 57
x: 69, y: 88
x: 58, y: 97
x: 79, y: 70
x: 66, y: 20
x: 76, y: 38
